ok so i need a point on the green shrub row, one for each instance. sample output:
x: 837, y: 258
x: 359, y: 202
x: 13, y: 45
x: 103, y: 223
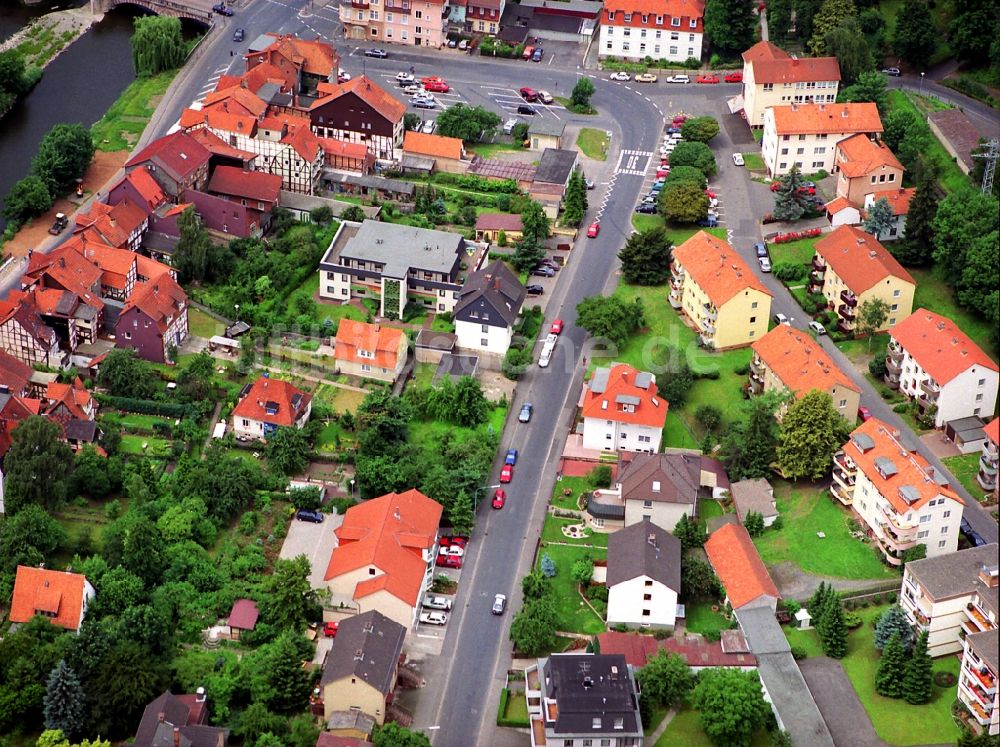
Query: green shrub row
x: 478, y: 183
x: 502, y: 719
x: 147, y: 406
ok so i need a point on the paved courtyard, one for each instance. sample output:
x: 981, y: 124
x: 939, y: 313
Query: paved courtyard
x: 845, y: 717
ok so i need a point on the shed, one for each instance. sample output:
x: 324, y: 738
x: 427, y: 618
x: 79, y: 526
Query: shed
x: 966, y: 433
x: 431, y: 346
x: 755, y: 495
x: 957, y: 134
x: 243, y: 616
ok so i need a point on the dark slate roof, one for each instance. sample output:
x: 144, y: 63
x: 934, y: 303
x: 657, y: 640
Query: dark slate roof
x: 952, y: 575
x: 644, y: 549
x: 367, y: 646
x: 494, y: 286
x: 678, y: 477
x: 958, y: 129
x: 592, y: 686
x: 985, y: 646
x: 154, y: 733
x: 428, y: 338
x: 601, y: 510
x: 78, y: 429
x: 555, y: 165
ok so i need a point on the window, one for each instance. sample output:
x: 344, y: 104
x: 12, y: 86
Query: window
x: 607, y: 436
x: 673, y: 50
x: 817, y: 164
x: 675, y: 21
x: 485, y: 328
x: 942, y: 543
x: 647, y: 504
x: 625, y: 46
x: 674, y: 36
x: 800, y: 151
x: 371, y: 571
x: 610, y: 30
x: 690, y: 37
x: 981, y: 382
x: 843, y: 403
x: 819, y: 151
x: 656, y: 47
x: 609, y: 44
x: 645, y: 18
x: 628, y: 18
x: 921, y: 535
x: 642, y: 47
x: 659, y: 34
x: 784, y: 151
x: 979, y: 398
x: 647, y: 597
x: 647, y: 582
x: 611, y: 15
x: 894, y: 307
x: 645, y: 613
x: 659, y: 20
x: 753, y: 305
x: 924, y: 518
x: 484, y: 342
x: 627, y: 32
x: 946, y: 514
x: 895, y: 293
x: 418, y: 14
x: 892, y: 177
x: 690, y: 51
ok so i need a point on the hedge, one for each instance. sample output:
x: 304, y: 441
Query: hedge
x: 502, y: 719
x: 147, y: 406
x: 478, y: 183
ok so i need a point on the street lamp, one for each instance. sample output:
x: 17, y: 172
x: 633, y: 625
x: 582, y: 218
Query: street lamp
x: 237, y: 311
x: 921, y: 93
x: 352, y: 488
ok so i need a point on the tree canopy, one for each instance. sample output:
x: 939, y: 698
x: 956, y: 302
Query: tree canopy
x: 157, y: 45
x: 610, y: 317
x: 38, y: 465
x: 645, y: 257
x: 729, y: 24
x: 916, y: 37
x: 469, y: 123
x: 811, y: 431
x: 683, y: 201
x: 63, y: 156
x: 694, y: 154
x: 700, y: 129
x: 731, y: 705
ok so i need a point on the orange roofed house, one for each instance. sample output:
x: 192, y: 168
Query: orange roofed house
x: 772, y: 77
x: 864, y: 166
x: 177, y: 162
x: 444, y: 153
x: 851, y: 267
x: 806, y: 135
x: 659, y: 29
x: 721, y: 296
x: 371, y: 351
x: 902, y: 500
x: 360, y: 111
x: 740, y: 569
x: 788, y: 358
x: 386, y: 553
x: 60, y: 596
x: 899, y: 203
x: 269, y: 404
x: 154, y: 319
x: 302, y: 64
x: 622, y: 410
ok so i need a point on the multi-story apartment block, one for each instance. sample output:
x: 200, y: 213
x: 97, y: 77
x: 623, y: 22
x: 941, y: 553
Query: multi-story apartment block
x: 622, y: 411
x: 772, y: 77
x: 990, y: 459
x: 850, y: 267
x: 930, y: 360
x: 396, y: 265
x: 659, y: 29
x: 806, y: 135
x: 419, y: 23
x: 483, y: 16
x: 789, y: 359
x: 951, y: 596
x: 977, y: 680
x: 902, y: 500
x: 724, y: 299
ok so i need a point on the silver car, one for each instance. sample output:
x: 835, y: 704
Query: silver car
x: 499, y: 604
x: 437, y: 603
x: 433, y: 618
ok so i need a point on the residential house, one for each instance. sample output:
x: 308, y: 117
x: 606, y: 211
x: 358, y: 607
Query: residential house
x: 957, y: 134
x: 977, y: 679
x: 176, y: 161
x: 721, y: 296
x: 931, y: 361
x: 658, y: 29
x: 420, y: 23
x: 660, y: 488
x: 644, y: 577
x: 742, y: 573
x: 578, y: 698
x: 60, y: 596
x: 139, y: 188
x: 66, y: 289
x: 269, y: 404
x: 347, y: 729
x: 15, y: 375
x: 345, y: 156
x: 754, y: 496
x: 772, y: 77
x: 490, y: 226
x: 840, y: 212
x: 121, y: 226
x: 863, y: 167
x: 788, y: 359
x: 154, y: 320
x: 899, y: 203
x: 806, y: 135
x: 257, y: 191
x: 483, y: 16
x: 180, y: 721
x: 301, y: 63
x: 25, y: 335
x: 385, y: 556
x: 548, y: 187
x: 545, y: 133
x: 242, y: 618
x: 851, y: 267
x: 370, y: 351
x: 900, y: 498
x: 396, y: 265
x: 487, y: 309
x: 990, y: 459
x: 68, y: 402
x: 361, y: 667
x: 731, y: 650
x: 360, y: 111
x: 622, y: 410
x: 444, y: 153
x: 951, y: 596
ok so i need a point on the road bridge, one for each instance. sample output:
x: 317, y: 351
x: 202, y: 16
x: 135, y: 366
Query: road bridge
x: 196, y: 10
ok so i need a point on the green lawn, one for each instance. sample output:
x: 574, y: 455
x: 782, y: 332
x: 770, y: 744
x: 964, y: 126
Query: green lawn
x: 517, y: 706
x: 488, y: 150
x: 658, y: 713
x: 806, y: 510
x: 201, y: 324
x: 934, y: 293
x: 709, y: 509
x: 965, y: 468
x: 797, y: 252
x: 341, y: 400
x: 754, y: 161
x: 423, y: 374
x: 644, y: 222
x: 135, y: 421
x: 574, y: 615
x: 576, y: 485
x: 552, y: 532
x: 123, y: 123
x: 701, y: 619
x: 441, y: 325
x: 593, y: 143
x: 677, y: 434
x: 951, y: 177
x: 331, y: 310
x: 862, y: 351
x: 684, y: 730
x: 155, y: 447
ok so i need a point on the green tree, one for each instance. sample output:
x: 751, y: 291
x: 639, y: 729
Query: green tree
x: 127, y: 679
x: 469, y: 406
x: 893, y: 622
x: 779, y: 20
x: 278, y: 679
x: 547, y: 566
x: 966, y: 35
x: 698, y: 155
x: 461, y: 514
x: 288, y: 450
x: 354, y: 213
x: 666, y: 678
x: 157, y: 45
x: 582, y: 91
x: 754, y: 524
x: 533, y: 630
x: 191, y: 255
x: 917, y: 245
x: 869, y: 87
x: 832, y: 629
x: 535, y: 226
x: 880, y: 218
x: 749, y: 444
x: 469, y: 123
x: 805, y: 11
x: 731, y: 705
x: 700, y: 129
x: 287, y: 599
x: 687, y: 174
x: 683, y: 202
x: 125, y: 374
x: 829, y: 16
x: 382, y: 422
x: 535, y: 585
x: 851, y: 48
x: 698, y: 580
x: 787, y: 206
x: 918, y: 687
x: 322, y: 215
x: 645, y: 257
x: 256, y: 721
x: 907, y: 136
x: 142, y: 548
x: 610, y: 317
x: 527, y: 254
x: 394, y: 735
x: 63, y: 156
x: 690, y: 532
x: 729, y: 24
x: 38, y: 466
x: 916, y: 37
x: 582, y: 571
x: 891, y: 669
x: 28, y: 198
x: 14, y: 78
x: 519, y: 132
x: 810, y: 432
x: 575, y: 203
x: 64, y: 701
x: 872, y: 316
x: 90, y: 473
x: 28, y: 537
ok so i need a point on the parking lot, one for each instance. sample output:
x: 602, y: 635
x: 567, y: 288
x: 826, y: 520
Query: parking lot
x: 316, y: 542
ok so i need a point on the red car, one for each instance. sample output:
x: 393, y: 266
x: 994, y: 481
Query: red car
x: 330, y: 629
x: 679, y: 119
x: 557, y: 327
x: 499, y: 498
x: 710, y: 194
x: 707, y: 79
x: 437, y: 86
x: 595, y: 228
x: 864, y: 414
x: 506, y: 473
x: 735, y: 77
x: 529, y: 94
x: 662, y: 173
x: 432, y: 79
x: 448, y: 561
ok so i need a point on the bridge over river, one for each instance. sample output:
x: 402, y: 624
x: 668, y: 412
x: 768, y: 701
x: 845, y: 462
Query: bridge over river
x: 196, y: 10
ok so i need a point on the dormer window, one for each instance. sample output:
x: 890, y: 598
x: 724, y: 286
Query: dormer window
x: 659, y: 20
x: 628, y: 17
x: 675, y: 21
x: 694, y: 23
x: 645, y: 18
x: 611, y: 15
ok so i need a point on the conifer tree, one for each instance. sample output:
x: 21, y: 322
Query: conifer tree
x: 891, y: 669
x: 917, y: 683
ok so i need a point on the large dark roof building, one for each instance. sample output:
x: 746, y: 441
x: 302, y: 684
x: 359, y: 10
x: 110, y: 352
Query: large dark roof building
x: 495, y: 291
x: 367, y: 646
x: 187, y: 714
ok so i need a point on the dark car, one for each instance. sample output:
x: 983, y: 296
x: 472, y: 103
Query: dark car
x: 543, y: 272
x: 649, y: 208
x: 380, y: 53
x: 537, y: 55
x: 304, y: 514
x: 534, y: 290
x: 760, y: 249
x: 59, y: 224
x: 525, y: 415
x: 222, y: 10
x: 710, y: 221
x: 525, y: 109
x: 239, y: 35
x: 511, y: 457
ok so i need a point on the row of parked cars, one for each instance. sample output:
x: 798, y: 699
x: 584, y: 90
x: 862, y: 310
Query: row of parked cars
x: 733, y: 77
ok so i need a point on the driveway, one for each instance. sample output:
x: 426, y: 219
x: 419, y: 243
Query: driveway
x: 845, y: 717
x: 316, y: 542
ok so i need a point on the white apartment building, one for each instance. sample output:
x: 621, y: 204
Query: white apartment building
x: 806, y: 135
x: 622, y: 410
x: 659, y: 29
x: 488, y: 307
x: 977, y: 679
x: 772, y: 77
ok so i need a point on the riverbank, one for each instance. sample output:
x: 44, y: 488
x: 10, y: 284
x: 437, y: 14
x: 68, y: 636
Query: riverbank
x: 45, y: 38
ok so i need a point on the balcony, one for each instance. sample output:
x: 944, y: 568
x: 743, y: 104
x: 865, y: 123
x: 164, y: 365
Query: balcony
x: 707, y: 340
x: 816, y: 277
x: 707, y: 327
x: 710, y: 312
x: 846, y: 312
x: 982, y: 679
x: 843, y: 495
x: 991, y: 452
x: 979, y: 713
x: 677, y: 271
x: 931, y: 387
x: 845, y: 326
x: 754, y: 386
x: 845, y: 478
x: 892, y: 559
x: 896, y: 544
x: 892, y: 366
x: 815, y: 286
x: 986, y: 481
x: 757, y: 365
x: 925, y: 402
x: 895, y: 350
x: 978, y: 618
x: 675, y: 298
x: 819, y: 264
x: 849, y: 298
x: 899, y: 528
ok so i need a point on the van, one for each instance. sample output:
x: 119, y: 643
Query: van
x: 547, y: 349
x: 528, y: 51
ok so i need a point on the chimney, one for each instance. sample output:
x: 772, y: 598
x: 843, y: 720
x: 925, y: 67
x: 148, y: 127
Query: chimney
x: 114, y: 222
x: 160, y: 717
x: 397, y: 514
x: 177, y: 737
x: 988, y: 575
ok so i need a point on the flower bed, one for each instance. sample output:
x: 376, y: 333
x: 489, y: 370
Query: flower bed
x: 784, y: 238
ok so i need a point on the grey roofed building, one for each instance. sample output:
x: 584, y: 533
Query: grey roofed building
x: 81, y: 431
x: 957, y: 133
x: 644, y: 549
x: 985, y: 645
x: 755, y: 495
x: 594, y: 694
x: 355, y: 720
x: 555, y: 166
x: 953, y: 575
x: 367, y: 646
x: 398, y: 249
x: 546, y: 126
x: 494, y: 288
x: 667, y: 478
x: 187, y: 713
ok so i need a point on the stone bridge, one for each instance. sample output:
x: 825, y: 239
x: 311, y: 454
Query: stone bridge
x: 196, y: 10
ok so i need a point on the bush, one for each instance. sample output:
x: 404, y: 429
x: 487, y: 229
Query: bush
x: 814, y: 303
x: 600, y: 476
x: 877, y: 367
x: 852, y: 620
x: 901, y: 407
x: 798, y: 653
x: 709, y: 416
x: 742, y: 370
x: 891, y: 597
x: 944, y: 679
x: 147, y: 406
x: 789, y: 271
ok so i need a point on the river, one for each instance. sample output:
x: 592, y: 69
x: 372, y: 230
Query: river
x: 78, y: 86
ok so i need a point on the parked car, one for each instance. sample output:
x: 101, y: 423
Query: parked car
x: 537, y: 55
x: 59, y: 224
x: 330, y: 629
x: 304, y: 514
x: 557, y: 327
x: 239, y: 35
x: 679, y: 79
x: 662, y: 173
x: 529, y: 94
x: 621, y: 75
x: 738, y: 159
x: 672, y: 130
x: 437, y: 603
x: 647, y: 208
x: 545, y: 97
x: 499, y: 603
x: 343, y: 76
x: 525, y: 109
x: 432, y: 79
x: 734, y: 77
x: 528, y: 51
x: 437, y: 86
x: 760, y: 249
x: 511, y: 457
x: 593, y: 230
x: 506, y: 473
x: 433, y: 618
x: 448, y: 561
x: 525, y: 415
x: 765, y: 264
x: 380, y: 53
x: 818, y: 328
x: 588, y: 183
x: 645, y: 78
x: 509, y: 125
x: 710, y: 194
x: 450, y: 540
x: 222, y: 10
x: 404, y: 78
x: 707, y: 79
x: 534, y: 289
x: 709, y: 221
x: 428, y: 127
x: 543, y: 272
x: 864, y: 414
x: 892, y: 72
x: 499, y: 498
x: 455, y: 550
x: 780, y: 318
x: 424, y: 104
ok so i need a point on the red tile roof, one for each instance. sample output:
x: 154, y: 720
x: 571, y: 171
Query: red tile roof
x: 265, y: 394
x: 65, y: 268
x: 315, y: 56
x: 371, y: 93
x: 14, y: 374
x: 436, y: 146
x: 244, y: 614
x: 178, y: 153
x: 837, y: 204
x: 56, y: 594
x: 619, y: 392
x: 817, y: 119
x: 799, y: 362
x: 859, y: 259
x: 864, y: 156
x: 696, y: 651
x: 218, y: 119
x: 499, y: 222
x: 716, y: 267
x: 112, y: 224
x: 161, y: 299
x: 764, y: 50
x: 355, y: 337
x: 342, y: 148
x: 992, y: 430
x: 738, y: 565
x: 675, y: 8
x: 795, y: 70
x: 261, y: 74
x: 219, y: 147
x: 236, y: 100
x: 147, y: 187
x: 389, y: 534
x: 636, y: 648
x: 252, y: 185
x: 898, y: 199
x: 74, y: 397
x: 303, y: 142
x: 939, y: 346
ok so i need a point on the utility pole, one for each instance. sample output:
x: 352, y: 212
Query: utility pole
x: 990, y: 156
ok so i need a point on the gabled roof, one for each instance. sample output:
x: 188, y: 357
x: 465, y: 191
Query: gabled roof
x: 381, y: 343
x: 236, y: 100
x: 958, y: 130
x: 663, y: 478
x: 179, y: 154
x: 716, y: 267
x: 939, y: 346
x: 74, y: 397
x: 992, y: 430
x: 303, y: 142
x: 764, y: 50
x: 496, y: 286
x: 738, y: 566
x: 753, y: 495
x: 314, y: 55
x: 389, y: 534
x: 147, y: 187
x: 644, y: 549
x: 436, y: 146
x: 864, y: 156
x: 367, y: 646
x: 677, y: 8
x: 953, y: 575
x: 898, y: 199
x: 499, y: 222
x: 115, y: 264
x: 837, y: 204
x: 333, y: 147
x: 219, y: 119
x: 219, y: 147
x: 625, y: 395
x: 14, y: 374
x: 795, y: 70
x: 817, y: 119
x: 368, y: 91
x: 252, y: 185
x: 22, y: 309
x: 799, y: 362
x: 272, y: 401
x: 859, y: 259
x: 58, y: 595
x: 244, y: 614
x: 161, y: 299
x: 188, y: 714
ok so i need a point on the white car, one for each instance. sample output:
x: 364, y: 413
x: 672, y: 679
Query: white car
x: 679, y: 79
x: 454, y: 550
x: 433, y: 618
x: 738, y: 159
x: 509, y: 125
x: 818, y: 328
x: 343, y: 75
x: 782, y: 319
x: 413, y: 89
x: 499, y: 603
x: 428, y: 127
x: 545, y: 97
x: 403, y: 78
x: 765, y: 264
x: 621, y: 75
x: 437, y: 603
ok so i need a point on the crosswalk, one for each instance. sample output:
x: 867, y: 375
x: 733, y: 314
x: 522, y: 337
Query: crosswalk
x: 211, y: 83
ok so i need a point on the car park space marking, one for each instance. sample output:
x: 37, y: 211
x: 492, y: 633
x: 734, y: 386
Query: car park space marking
x: 634, y: 162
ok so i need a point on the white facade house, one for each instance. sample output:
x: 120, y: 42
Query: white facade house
x: 661, y: 30
x: 622, y: 410
x: 269, y: 404
x: 977, y: 679
x: 487, y: 309
x: 930, y: 360
x: 772, y: 77
x: 644, y: 577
